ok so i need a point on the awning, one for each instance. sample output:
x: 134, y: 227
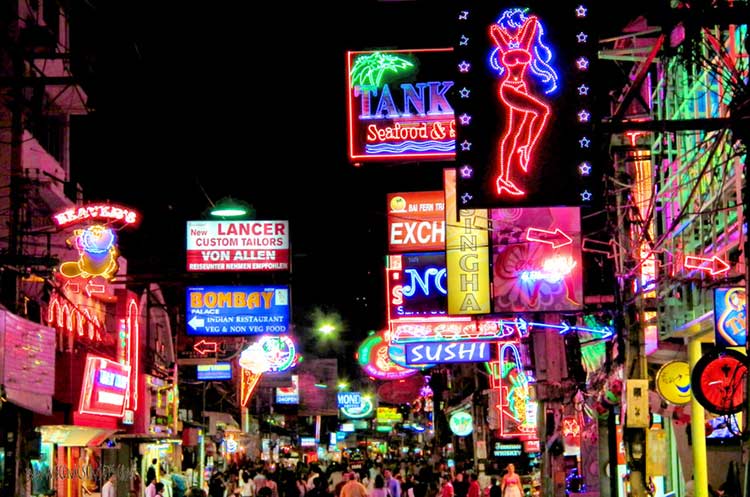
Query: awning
x: 75, y: 436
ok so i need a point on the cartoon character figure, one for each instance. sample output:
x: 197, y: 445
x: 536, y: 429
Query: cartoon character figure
x: 519, y: 47
x: 97, y: 249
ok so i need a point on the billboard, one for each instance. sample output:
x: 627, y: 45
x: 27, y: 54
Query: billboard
x: 397, y: 105
x: 289, y: 395
x: 466, y: 254
x: 416, y: 285
x: 519, y: 138
x: 536, y: 255
x: 237, y: 246
x: 730, y: 316
x: 416, y: 221
x: 211, y: 372
x: 237, y: 310
x: 105, y: 387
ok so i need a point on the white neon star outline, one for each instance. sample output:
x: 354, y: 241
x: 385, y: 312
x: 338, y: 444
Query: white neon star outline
x: 465, y: 145
x: 585, y: 142
x: 586, y: 195
x: 583, y: 90
x: 585, y: 168
x: 464, y: 40
x: 466, y: 171
x: 464, y: 92
x: 582, y: 63
x: 581, y: 11
x: 464, y: 15
x: 465, y: 119
x: 466, y: 197
x: 582, y: 37
x: 464, y: 66
x: 584, y: 116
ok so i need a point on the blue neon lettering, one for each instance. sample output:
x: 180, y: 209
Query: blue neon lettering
x: 423, y: 281
x: 415, y: 99
x: 438, y: 103
x: 365, y: 91
x: 386, y: 106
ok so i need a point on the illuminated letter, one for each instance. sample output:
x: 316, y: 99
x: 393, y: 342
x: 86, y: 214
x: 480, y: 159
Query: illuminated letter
x: 196, y: 300
x: 435, y: 357
x: 253, y: 300
x: 417, y: 354
x: 365, y: 91
x: 449, y: 354
x: 386, y: 106
x: 438, y: 103
x: 468, y: 268
x: 224, y: 300
x: 267, y: 299
x: 238, y: 299
x: 412, y: 97
x: 470, y: 303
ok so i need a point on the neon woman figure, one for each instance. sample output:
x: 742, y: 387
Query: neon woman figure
x: 519, y: 47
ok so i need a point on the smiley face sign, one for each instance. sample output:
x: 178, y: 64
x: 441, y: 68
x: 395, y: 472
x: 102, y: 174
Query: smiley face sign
x: 673, y: 382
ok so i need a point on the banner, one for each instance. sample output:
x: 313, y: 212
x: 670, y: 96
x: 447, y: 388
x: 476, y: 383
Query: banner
x: 466, y: 254
x: 416, y: 221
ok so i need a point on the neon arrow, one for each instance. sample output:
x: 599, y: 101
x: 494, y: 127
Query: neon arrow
x: 196, y: 322
x: 93, y: 288
x: 714, y: 265
x: 73, y: 287
x: 203, y: 347
x: 566, y: 328
x: 556, y: 238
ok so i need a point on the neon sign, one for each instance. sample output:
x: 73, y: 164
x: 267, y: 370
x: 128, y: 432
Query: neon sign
x: 97, y: 249
x: 416, y: 221
x: 363, y: 410
x: 513, y: 383
x: 712, y: 265
x: 63, y: 315
x: 417, y: 284
x: 105, y: 387
x: 373, y: 357
x: 349, y: 399
x: 532, y: 272
x: 102, y: 212
x: 447, y: 352
x: 390, y: 118
x: 505, y: 154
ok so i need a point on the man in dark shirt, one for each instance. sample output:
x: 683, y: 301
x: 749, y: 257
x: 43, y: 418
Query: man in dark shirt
x: 460, y: 486
x: 495, y: 490
x: 151, y: 472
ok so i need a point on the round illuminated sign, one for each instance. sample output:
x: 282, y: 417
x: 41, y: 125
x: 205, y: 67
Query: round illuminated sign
x: 461, y: 423
x: 254, y: 359
x: 673, y: 382
x: 280, y: 352
x: 718, y: 381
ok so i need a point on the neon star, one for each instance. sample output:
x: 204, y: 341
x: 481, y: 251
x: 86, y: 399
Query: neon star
x: 465, y: 146
x: 464, y: 92
x: 464, y: 40
x: 585, y: 142
x: 581, y: 11
x: 464, y: 15
x: 466, y: 197
x: 586, y: 195
x: 585, y: 168
x: 464, y: 66
x: 465, y: 119
x: 466, y: 171
x: 584, y: 116
x: 582, y: 63
x: 582, y: 37
x: 583, y: 90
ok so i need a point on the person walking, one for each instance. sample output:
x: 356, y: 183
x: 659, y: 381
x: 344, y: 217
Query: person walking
x: 511, y: 484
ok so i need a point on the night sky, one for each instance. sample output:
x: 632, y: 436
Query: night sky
x: 198, y: 101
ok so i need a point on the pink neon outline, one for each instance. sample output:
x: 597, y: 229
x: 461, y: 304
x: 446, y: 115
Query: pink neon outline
x: 88, y: 386
x: 66, y: 317
x: 700, y: 265
x: 132, y: 319
x: 519, y: 105
x: 558, y: 233
x: 350, y: 114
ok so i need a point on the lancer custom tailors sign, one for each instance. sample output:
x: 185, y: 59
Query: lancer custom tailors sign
x: 398, y: 105
x: 238, y: 246
x: 237, y: 310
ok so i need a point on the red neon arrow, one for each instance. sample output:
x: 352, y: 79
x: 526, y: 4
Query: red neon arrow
x: 93, y: 288
x: 714, y: 265
x: 556, y: 238
x: 73, y: 287
x: 203, y: 347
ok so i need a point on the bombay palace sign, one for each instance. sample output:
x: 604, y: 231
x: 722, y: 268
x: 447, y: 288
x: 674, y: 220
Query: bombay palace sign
x: 398, y: 106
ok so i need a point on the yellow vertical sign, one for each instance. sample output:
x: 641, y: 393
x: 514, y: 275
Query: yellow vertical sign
x: 467, y: 256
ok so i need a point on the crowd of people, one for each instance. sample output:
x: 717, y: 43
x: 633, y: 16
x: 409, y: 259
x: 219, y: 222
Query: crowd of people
x: 370, y: 479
